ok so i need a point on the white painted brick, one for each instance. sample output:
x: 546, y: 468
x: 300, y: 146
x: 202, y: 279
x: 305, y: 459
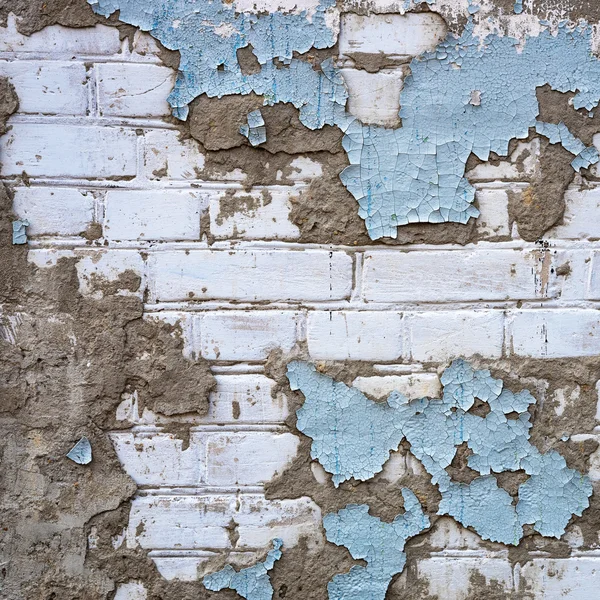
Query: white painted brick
x: 153, y: 214
x: 345, y: 335
x: 416, y: 385
x: 134, y: 90
x: 452, y: 275
x: 250, y: 397
x: 97, y: 266
x: 447, y: 534
x: 594, y: 279
x: 68, y: 151
x: 443, y: 335
x: 580, y: 220
x: 165, y: 155
x: 251, y: 275
x: 391, y: 34
x: 303, y: 168
x: 52, y: 88
x: 261, y: 214
x: 520, y: 166
x: 574, y: 267
x: 246, y: 335
x: 493, y: 205
x: 156, y: 459
x: 172, y: 522
x: 450, y: 577
x: 249, y: 458
x: 54, y: 211
x: 374, y: 98
x: 57, y: 40
x: 200, y: 522
x: 132, y: 590
x: 575, y: 578
x: 556, y: 333
x: 261, y: 520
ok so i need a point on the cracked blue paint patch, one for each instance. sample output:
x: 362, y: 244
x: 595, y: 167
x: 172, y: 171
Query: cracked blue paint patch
x: 378, y: 543
x: 352, y: 437
x: 252, y: 583
x: 19, y: 231
x: 415, y: 173
x: 255, y: 129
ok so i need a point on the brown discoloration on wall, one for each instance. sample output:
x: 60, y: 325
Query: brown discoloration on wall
x: 63, y: 370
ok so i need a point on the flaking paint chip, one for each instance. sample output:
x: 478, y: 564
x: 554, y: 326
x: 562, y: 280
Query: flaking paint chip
x: 81, y: 452
x: 19, y: 228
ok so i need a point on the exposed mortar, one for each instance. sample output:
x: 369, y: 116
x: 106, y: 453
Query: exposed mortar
x: 63, y: 370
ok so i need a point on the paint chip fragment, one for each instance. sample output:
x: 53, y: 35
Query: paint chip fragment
x: 378, y: 543
x: 252, y: 583
x: 81, y: 452
x: 353, y: 436
x: 19, y: 228
x: 255, y: 130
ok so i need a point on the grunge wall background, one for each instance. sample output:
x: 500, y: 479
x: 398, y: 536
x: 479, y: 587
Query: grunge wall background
x: 172, y: 270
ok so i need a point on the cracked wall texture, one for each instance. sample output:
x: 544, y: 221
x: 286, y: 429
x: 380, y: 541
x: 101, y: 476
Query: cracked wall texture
x: 169, y: 270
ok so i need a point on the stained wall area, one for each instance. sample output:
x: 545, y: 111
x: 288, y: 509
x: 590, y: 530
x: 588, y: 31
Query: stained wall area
x: 318, y: 282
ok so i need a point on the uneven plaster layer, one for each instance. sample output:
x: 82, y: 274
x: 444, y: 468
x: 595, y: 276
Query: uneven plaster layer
x: 457, y: 101
x: 353, y: 435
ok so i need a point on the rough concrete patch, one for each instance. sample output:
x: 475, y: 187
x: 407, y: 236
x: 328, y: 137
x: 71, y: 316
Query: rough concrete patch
x: 9, y: 102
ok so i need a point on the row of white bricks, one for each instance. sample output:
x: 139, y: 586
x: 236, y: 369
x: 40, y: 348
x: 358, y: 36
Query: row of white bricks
x: 159, y: 214
x: 345, y: 278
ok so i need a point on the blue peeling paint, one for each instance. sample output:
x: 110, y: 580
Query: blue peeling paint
x: 518, y: 8
x: 19, y: 229
x: 252, y: 583
x: 353, y: 436
x: 415, y: 173
x: 255, y: 129
x: 378, y: 543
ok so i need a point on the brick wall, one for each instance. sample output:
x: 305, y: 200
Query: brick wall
x: 90, y: 137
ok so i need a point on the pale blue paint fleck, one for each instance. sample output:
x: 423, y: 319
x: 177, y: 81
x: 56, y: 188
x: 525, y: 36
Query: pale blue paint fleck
x: 255, y: 129
x: 252, y: 583
x: 19, y: 231
x: 81, y: 452
x: 378, y: 543
x: 518, y: 8
x: 353, y: 436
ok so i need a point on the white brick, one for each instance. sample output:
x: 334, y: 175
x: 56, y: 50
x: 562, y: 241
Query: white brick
x: 447, y: 534
x: 556, y: 333
x: 493, y: 205
x: 153, y: 214
x: 155, y: 459
x: 594, y: 280
x: 575, y: 578
x: 416, y: 385
x: 247, y: 399
x: 443, y: 335
x: 521, y: 164
x: 572, y: 283
x: 134, y: 90
x: 374, y: 98
x: 251, y: 275
x: 249, y: 458
x: 259, y: 214
x: 58, y: 211
x: 165, y: 155
x: 392, y: 34
x: 262, y: 520
x: 450, y: 577
x: 581, y: 215
x: 57, y: 40
x: 345, y: 335
x: 246, y: 335
x: 200, y: 522
x: 132, y: 590
x: 52, y: 88
x: 452, y: 275
x: 98, y: 266
x: 68, y: 151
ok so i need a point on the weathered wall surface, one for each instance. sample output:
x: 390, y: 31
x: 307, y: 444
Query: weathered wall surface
x: 173, y: 269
